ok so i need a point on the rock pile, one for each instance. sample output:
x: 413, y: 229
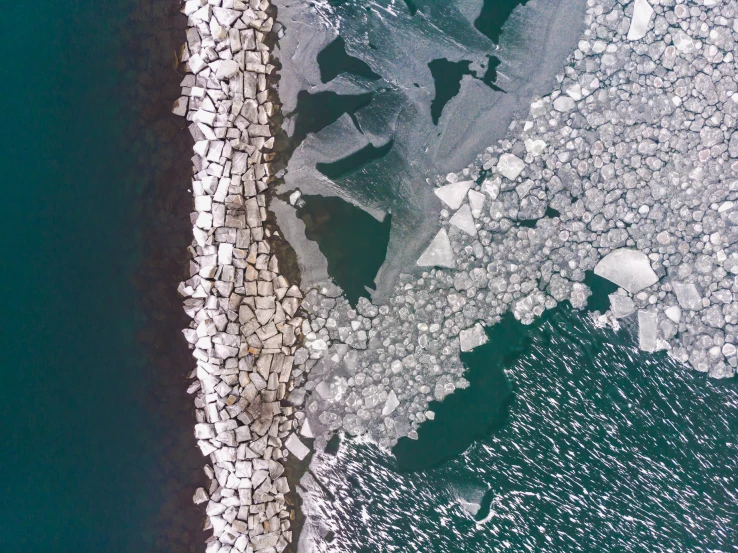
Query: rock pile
x: 628, y: 169
x: 245, y: 326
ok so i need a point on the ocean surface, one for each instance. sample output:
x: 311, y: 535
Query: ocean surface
x: 579, y: 443
x: 97, y: 453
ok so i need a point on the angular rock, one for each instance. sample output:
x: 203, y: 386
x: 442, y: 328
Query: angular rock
x: 629, y: 269
x: 453, y: 194
x: 438, y: 253
x: 200, y: 496
x: 226, y: 69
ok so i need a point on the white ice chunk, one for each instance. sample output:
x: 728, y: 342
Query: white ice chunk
x: 306, y: 430
x: 621, y: 306
x: 476, y: 201
x: 688, y: 296
x: 464, y: 220
x: 648, y: 330
x: 642, y: 13
x: 439, y: 253
x: 391, y: 404
x: 473, y: 337
x: 510, y: 166
x: 453, y: 194
x: 674, y: 313
x: 296, y: 447
x: 629, y: 269
x: 564, y: 103
x: 534, y: 147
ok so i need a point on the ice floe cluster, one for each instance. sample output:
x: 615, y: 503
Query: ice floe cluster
x: 628, y: 169
x: 245, y: 328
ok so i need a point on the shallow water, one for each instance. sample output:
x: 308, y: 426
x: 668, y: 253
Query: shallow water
x: 602, y: 448
x: 97, y: 448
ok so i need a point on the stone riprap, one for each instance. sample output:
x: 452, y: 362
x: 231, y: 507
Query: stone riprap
x: 628, y: 169
x: 245, y: 327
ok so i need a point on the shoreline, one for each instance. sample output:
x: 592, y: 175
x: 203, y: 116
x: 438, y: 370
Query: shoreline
x: 245, y: 325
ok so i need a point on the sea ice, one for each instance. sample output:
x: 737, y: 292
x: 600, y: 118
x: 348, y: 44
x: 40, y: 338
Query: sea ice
x: 438, y: 253
x: 642, y: 13
x: 453, y: 194
x: 629, y: 269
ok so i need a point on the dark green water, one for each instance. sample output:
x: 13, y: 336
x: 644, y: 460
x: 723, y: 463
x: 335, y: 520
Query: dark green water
x: 353, y: 242
x: 601, y: 448
x: 96, y: 453
x: 333, y: 60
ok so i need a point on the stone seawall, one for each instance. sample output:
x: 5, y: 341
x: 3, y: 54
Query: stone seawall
x: 245, y: 327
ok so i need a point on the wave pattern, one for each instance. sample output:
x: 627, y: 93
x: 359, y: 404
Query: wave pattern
x: 606, y: 449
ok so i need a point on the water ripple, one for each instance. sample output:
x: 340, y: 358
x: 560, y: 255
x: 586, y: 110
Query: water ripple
x: 605, y: 449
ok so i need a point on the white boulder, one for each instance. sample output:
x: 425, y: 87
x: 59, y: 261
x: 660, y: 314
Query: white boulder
x: 226, y: 69
x: 629, y: 269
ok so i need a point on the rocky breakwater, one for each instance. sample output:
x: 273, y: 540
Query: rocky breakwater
x: 245, y: 326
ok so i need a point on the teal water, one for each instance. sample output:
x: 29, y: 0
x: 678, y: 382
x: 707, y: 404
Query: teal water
x: 600, y: 448
x: 353, y: 242
x: 89, y: 440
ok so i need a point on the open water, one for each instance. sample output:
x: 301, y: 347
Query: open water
x: 97, y: 454
x: 569, y: 439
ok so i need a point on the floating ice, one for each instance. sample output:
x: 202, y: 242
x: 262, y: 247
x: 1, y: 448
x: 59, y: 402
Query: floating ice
x: 629, y: 269
x: 473, y: 337
x: 296, y: 447
x: 688, y: 296
x: 510, y: 166
x: 439, y: 253
x: 464, y: 220
x: 648, y: 330
x: 642, y: 13
x: 453, y: 194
